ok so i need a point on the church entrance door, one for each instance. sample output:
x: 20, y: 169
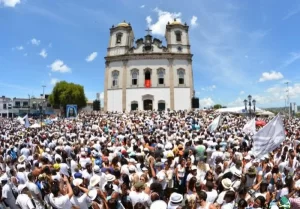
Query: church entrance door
x: 148, y: 104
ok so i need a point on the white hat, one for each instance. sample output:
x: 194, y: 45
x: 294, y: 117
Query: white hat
x: 226, y: 183
x: 47, y: 149
x: 21, y: 187
x: 92, y: 194
x: 248, y: 157
x: 77, y: 182
x: 131, y: 160
x: 144, y: 169
x: 95, y: 179
x: 176, y: 198
x: 4, y: 178
x: 159, y: 204
x: 96, y: 169
x: 194, y: 167
x: 21, y: 159
x: 110, y: 177
x: 131, y: 168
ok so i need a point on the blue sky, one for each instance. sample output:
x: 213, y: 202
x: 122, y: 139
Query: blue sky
x: 239, y: 47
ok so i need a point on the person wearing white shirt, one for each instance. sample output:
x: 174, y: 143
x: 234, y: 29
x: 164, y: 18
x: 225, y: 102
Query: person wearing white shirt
x: 80, y: 200
x: 35, y: 192
x: 61, y: 201
x: 7, y: 194
x: 23, y: 200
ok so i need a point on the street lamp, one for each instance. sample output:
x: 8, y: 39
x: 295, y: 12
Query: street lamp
x: 250, y: 103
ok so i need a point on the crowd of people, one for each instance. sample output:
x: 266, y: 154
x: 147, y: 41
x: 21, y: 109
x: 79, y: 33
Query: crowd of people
x: 145, y: 160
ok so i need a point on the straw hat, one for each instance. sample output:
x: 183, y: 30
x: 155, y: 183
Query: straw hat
x: 94, y: 180
x: 21, y: 159
x: 92, y: 194
x: 226, y: 183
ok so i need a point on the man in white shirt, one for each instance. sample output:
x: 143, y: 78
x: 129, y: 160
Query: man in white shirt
x: 35, y: 192
x: 23, y: 199
x: 7, y: 194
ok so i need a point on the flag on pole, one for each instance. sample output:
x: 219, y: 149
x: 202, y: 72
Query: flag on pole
x: 27, y: 124
x: 215, y: 124
x: 269, y: 137
x: 250, y: 127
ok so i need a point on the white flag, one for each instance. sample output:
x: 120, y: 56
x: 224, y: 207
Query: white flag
x: 215, y: 124
x: 27, y: 124
x: 250, y: 127
x: 269, y: 137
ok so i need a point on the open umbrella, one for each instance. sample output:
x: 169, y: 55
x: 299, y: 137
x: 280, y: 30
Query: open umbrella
x: 260, y: 123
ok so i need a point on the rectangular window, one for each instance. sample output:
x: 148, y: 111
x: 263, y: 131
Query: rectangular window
x: 160, y: 81
x: 18, y: 104
x: 181, y: 80
x: 4, y: 106
x: 25, y: 104
x: 134, y: 81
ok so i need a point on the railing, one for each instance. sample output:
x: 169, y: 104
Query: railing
x: 147, y: 83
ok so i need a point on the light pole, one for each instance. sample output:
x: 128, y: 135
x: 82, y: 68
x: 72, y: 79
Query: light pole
x: 250, y: 103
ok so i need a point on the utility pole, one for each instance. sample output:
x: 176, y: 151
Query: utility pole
x: 43, y: 91
x: 288, y: 98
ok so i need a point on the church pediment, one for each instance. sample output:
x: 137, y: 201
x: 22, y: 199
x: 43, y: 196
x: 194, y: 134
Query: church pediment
x: 148, y: 45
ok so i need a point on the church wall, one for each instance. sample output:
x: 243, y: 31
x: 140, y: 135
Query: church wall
x: 182, y: 100
x: 184, y: 65
x: 114, y: 100
x: 143, y: 64
x: 155, y: 49
x: 136, y: 95
x: 115, y: 66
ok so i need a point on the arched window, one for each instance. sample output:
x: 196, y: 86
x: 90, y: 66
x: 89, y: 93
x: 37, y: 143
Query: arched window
x: 161, y: 75
x: 115, y: 77
x: 178, y: 35
x: 134, y: 77
x: 180, y: 73
x: 119, y: 38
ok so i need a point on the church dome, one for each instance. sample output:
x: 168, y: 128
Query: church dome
x: 175, y: 22
x: 123, y: 24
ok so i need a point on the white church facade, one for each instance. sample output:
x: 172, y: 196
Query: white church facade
x: 146, y: 75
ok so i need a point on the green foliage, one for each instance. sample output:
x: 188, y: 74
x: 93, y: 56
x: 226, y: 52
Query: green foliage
x: 217, y: 106
x: 96, y: 105
x: 65, y: 93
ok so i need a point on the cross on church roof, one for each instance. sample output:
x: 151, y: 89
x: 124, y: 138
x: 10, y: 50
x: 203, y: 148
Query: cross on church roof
x: 148, y: 31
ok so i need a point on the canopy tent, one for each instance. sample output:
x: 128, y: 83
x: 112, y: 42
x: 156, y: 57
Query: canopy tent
x: 236, y: 110
x: 36, y: 125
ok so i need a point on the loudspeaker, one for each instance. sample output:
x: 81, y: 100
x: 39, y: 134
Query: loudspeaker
x: 195, y: 102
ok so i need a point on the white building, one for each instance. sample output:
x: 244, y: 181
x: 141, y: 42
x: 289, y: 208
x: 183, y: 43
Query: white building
x: 146, y: 75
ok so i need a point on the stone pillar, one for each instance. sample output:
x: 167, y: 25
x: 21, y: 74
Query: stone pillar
x: 191, y: 76
x: 124, y: 84
x: 106, y: 85
x: 171, y: 71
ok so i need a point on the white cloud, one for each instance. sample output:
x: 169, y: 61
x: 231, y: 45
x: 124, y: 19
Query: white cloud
x: 159, y: 27
x: 194, y: 21
x: 43, y: 53
x: 294, y: 56
x: 10, y: 3
x: 19, y: 48
x: 209, y: 88
x: 59, y: 66
x: 291, y: 13
x: 143, y: 6
x: 206, y: 102
x: 268, y: 76
x: 102, y: 95
x: 54, y: 81
x: 35, y: 42
x: 242, y: 93
x: 91, y: 57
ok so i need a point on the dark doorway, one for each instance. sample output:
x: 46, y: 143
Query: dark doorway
x: 134, y: 106
x: 161, y: 106
x: 148, y: 104
x: 147, y: 75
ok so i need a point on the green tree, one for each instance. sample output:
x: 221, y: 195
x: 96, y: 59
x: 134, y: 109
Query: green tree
x: 217, y: 106
x: 65, y: 93
x: 96, y: 105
